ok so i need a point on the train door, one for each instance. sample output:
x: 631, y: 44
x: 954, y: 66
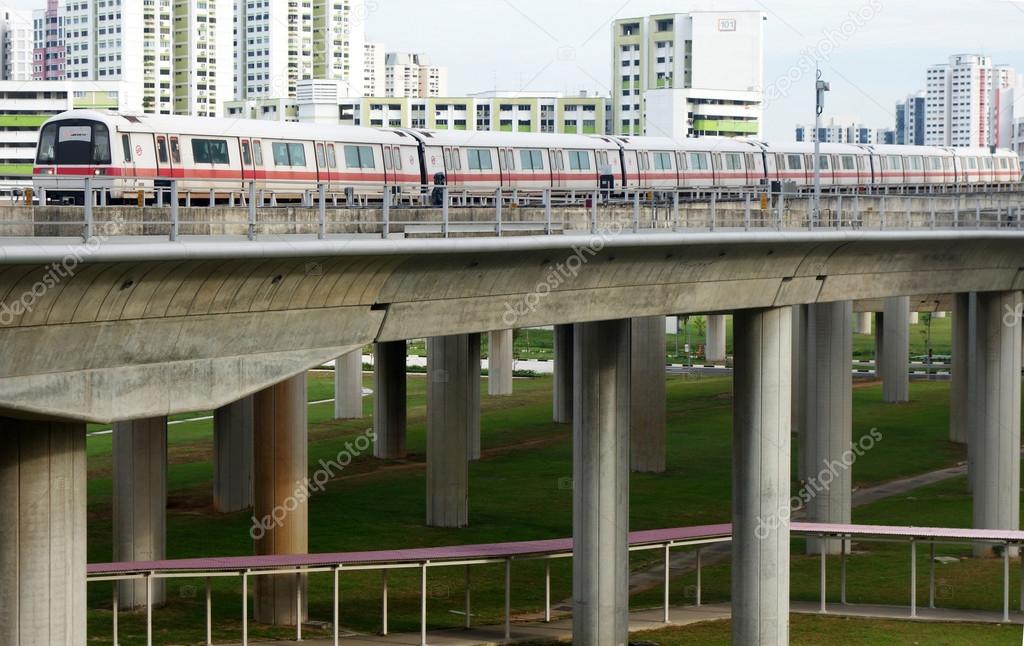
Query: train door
x: 505, y: 166
x: 165, y: 167
x: 130, y: 172
x: 248, y: 163
x: 452, y: 165
x: 555, y: 161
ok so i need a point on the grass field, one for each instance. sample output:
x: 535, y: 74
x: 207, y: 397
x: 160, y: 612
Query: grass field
x: 518, y: 491
x: 825, y: 631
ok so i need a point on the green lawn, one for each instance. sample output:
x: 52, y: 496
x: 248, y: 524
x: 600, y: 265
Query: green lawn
x: 518, y: 492
x: 809, y: 630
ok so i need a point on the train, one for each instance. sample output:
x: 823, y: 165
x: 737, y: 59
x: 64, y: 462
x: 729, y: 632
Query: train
x: 128, y: 154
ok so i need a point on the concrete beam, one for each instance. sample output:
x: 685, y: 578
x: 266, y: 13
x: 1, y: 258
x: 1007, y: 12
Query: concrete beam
x: 958, y: 402
x: 453, y: 426
x: 896, y: 349
x: 995, y: 413
x: 233, y: 456
x: 280, y: 416
x: 760, y: 477
x: 862, y: 322
x: 714, y: 349
x: 389, y: 400
x: 43, y: 533
x: 600, y: 565
x: 348, y: 385
x: 647, y: 430
x: 829, y: 416
x: 500, y: 362
x: 140, y: 502
x: 563, y: 377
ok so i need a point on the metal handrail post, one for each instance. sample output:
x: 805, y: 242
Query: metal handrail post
x: 497, y: 212
x: 174, y: 210
x: 547, y: 211
x: 321, y: 232
x: 444, y: 212
x: 385, y: 225
x: 87, y: 203
x: 636, y: 211
x: 252, y: 210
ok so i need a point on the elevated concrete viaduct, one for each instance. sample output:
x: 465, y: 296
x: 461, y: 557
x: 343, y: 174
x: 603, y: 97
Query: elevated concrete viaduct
x: 139, y: 331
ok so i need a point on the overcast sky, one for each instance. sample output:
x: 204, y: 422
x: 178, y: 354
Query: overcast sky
x: 565, y: 45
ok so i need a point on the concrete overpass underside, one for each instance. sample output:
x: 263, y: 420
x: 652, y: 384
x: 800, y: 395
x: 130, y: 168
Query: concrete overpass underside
x: 145, y: 330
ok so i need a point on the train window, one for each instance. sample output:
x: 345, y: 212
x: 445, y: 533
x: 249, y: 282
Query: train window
x: 457, y: 158
x: 733, y: 161
x: 861, y: 163
x: 175, y: 151
x: 246, y: 154
x: 579, y: 160
x: 321, y: 156
x: 387, y: 158
x: 916, y: 163
x: 289, y: 154
x: 848, y: 163
x: 161, y: 148
x: 681, y: 161
x: 947, y: 163
x: 699, y: 161
x: 396, y: 153
x: 935, y: 163
x: 479, y: 159
x: 988, y: 163
x: 823, y: 162
x: 361, y: 157
x: 531, y: 160
x: 332, y: 158
x: 895, y: 162
x: 209, y: 151
x: 972, y: 163
x: 716, y: 160
x: 662, y: 161
x: 448, y: 159
x: 643, y: 161
x: 1004, y: 164
x: 794, y: 162
x: 126, y: 146
x: 257, y: 152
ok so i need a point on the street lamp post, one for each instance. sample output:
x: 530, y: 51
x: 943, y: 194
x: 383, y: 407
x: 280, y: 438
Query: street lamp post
x: 821, y: 88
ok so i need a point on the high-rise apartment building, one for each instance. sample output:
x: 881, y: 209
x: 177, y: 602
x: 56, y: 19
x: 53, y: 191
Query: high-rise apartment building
x: 281, y: 42
x: 688, y: 74
x: 48, y: 43
x: 179, y: 50
x: 15, y: 44
x: 374, y: 61
x: 910, y: 120
x: 412, y: 75
x: 969, y: 102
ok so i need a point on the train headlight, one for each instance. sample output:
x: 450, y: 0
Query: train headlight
x: 97, y: 172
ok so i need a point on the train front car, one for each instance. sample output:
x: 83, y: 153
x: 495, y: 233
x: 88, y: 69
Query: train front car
x: 74, y: 146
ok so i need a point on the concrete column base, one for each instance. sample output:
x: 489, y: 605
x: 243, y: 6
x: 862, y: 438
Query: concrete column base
x: 453, y: 426
x: 140, y: 503
x: 348, y: 386
x: 281, y: 518
x: 500, y: 362
x: 715, y: 348
x: 996, y: 414
x: 760, y: 480
x: 562, y: 383
x: 389, y: 400
x: 600, y: 566
x: 647, y: 428
x: 829, y: 417
x: 43, y: 533
x: 232, y: 456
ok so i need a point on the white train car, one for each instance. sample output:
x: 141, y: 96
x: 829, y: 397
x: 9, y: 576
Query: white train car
x: 125, y: 154
x: 483, y: 161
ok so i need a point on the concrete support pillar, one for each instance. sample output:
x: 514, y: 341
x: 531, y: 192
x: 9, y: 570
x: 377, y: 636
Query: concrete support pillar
x: 281, y: 514
x: 995, y: 413
x: 915, y: 318
x: 389, y: 400
x: 600, y: 507
x: 348, y: 386
x: 958, y: 388
x: 232, y: 456
x: 647, y: 395
x: 562, y: 384
x: 42, y: 534
x: 939, y: 315
x: 798, y: 391
x: 760, y: 476
x: 829, y: 416
x: 499, y: 362
x: 714, y: 348
x: 896, y: 348
x: 140, y: 502
x: 453, y: 426
x: 862, y: 321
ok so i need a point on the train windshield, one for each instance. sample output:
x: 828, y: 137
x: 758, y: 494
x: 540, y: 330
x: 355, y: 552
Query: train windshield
x: 74, y: 143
